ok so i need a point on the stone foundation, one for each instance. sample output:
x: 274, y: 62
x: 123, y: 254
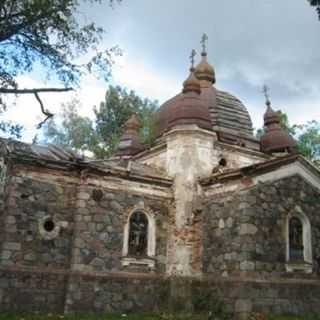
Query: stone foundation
x: 59, y: 292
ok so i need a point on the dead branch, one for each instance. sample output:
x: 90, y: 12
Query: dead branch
x: 33, y: 91
x: 46, y: 112
x: 36, y: 92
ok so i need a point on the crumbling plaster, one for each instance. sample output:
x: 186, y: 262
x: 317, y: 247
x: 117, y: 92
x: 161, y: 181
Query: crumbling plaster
x: 188, y: 153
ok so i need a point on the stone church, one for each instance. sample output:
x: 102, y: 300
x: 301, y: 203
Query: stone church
x: 207, y: 215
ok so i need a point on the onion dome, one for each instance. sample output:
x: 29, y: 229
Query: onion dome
x: 275, y: 139
x: 185, y: 108
x: 191, y: 84
x: 129, y: 141
x: 228, y: 116
x: 204, y: 71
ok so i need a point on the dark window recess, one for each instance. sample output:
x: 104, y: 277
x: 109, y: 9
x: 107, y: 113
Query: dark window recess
x: 296, y: 240
x: 138, y: 234
x: 97, y: 195
x: 49, y: 225
x: 222, y: 162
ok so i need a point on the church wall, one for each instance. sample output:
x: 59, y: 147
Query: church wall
x: 245, y: 297
x: 116, y: 293
x: 237, y: 156
x: 32, y: 290
x: 246, y: 232
x: 4, y: 181
x: 100, y: 226
x: 245, y: 238
x: 50, y: 271
x: 29, y: 201
x: 243, y: 247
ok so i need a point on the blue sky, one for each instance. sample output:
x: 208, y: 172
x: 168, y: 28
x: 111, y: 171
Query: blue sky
x: 251, y: 43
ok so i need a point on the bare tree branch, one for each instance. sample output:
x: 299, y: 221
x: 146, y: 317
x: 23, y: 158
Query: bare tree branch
x: 33, y: 91
x: 36, y: 92
x: 46, y: 112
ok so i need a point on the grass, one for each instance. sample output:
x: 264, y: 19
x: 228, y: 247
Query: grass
x: 293, y: 318
x: 51, y: 316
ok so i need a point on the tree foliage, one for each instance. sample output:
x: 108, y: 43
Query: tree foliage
x: 308, y: 140
x: 118, y: 106
x: 316, y: 4
x: 100, y: 136
x: 74, y: 131
x: 49, y: 32
x: 54, y: 34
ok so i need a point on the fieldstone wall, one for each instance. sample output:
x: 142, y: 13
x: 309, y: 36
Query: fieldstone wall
x: 32, y: 291
x: 246, y: 232
x: 71, y: 292
x: 99, y: 229
x: 28, y: 201
x: 243, y: 298
x: 4, y: 182
x: 117, y: 294
x: 79, y: 269
x: 73, y: 267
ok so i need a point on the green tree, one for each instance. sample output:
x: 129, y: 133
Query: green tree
x: 316, y: 4
x: 74, y: 131
x: 308, y: 140
x: 118, y: 106
x: 54, y: 34
x: 100, y: 136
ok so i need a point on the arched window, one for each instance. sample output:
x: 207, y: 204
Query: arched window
x: 296, y: 239
x: 138, y: 235
x: 139, y: 239
x: 299, y: 246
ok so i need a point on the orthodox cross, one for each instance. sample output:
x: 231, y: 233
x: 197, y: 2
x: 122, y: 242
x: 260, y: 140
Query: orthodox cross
x: 192, y: 56
x: 266, y: 91
x: 203, y: 42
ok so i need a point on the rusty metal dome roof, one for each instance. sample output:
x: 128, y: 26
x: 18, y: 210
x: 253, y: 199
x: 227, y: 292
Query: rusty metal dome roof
x: 225, y: 113
x: 275, y: 138
x: 191, y: 84
x: 185, y: 108
x: 129, y: 141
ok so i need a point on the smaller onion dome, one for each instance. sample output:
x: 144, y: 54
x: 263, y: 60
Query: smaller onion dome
x: 186, y: 108
x: 189, y: 107
x: 275, y: 139
x: 191, y: 84
x: 129, y: 141
x: 204, y: 70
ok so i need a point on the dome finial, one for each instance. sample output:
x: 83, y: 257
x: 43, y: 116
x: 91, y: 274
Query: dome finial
x: 204, y: 41
x: 192, y: 56
x: 266, y: 91
x: 192, y: 83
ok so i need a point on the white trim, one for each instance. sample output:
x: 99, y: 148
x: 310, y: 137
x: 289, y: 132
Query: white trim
x: 48, y: 235
x: 307, y: 242
x: 151, y: 246
x: 127, y: 261
x: 292, y: 169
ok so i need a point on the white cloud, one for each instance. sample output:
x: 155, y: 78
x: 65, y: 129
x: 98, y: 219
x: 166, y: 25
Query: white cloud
x: 25, y: 109
x: 145, y: 80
